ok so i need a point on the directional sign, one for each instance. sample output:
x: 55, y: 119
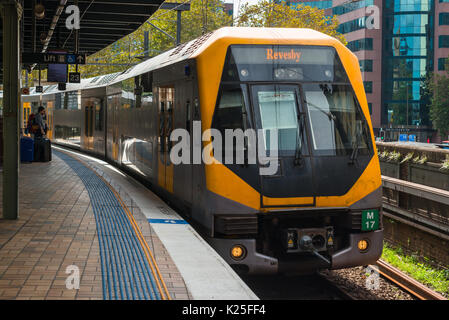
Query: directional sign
x: 61, y: 86
x: 81, y: 58
x: 54, y: 58
x: 39, y: 89
x: 74, y: 77
x: 71, y: 59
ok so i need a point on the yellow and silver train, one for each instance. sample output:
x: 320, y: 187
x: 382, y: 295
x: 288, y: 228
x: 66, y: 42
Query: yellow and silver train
x: 321, y: 209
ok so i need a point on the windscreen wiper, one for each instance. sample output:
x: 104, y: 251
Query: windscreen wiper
x: 298, y: 153
x: 329, y: 114
x: 355, y: 150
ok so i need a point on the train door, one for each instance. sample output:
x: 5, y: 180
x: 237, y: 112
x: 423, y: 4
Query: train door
x: 278, y: 111
x: 49, y: 111
x: 188, y: 168
x: 88, y: 126
x: 165, y: 127
x: 26, y: 113
x: 105, y: 129
x: 111, y: 130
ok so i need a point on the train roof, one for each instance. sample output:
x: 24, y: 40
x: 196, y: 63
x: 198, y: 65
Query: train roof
x: 193, y: 49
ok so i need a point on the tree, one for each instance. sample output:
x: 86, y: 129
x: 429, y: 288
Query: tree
x: 204, y: 16
x: 439, y: 106
x: 281, y: 15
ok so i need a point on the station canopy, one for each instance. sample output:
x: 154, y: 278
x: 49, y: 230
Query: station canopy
x: 102, y: 23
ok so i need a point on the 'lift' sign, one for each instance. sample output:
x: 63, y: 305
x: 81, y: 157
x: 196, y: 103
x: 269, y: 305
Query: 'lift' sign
x: 291, y: 55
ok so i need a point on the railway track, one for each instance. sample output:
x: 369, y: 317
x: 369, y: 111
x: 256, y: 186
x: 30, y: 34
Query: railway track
x: 407, y: 283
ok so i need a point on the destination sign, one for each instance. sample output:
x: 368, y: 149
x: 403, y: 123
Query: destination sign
x: 292, y: 55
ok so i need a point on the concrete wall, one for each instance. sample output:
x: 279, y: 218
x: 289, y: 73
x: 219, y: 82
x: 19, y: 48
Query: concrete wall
x: 428, y: 174
x: 409, y: 238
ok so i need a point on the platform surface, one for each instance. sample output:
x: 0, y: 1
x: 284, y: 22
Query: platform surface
x: 57, y: 229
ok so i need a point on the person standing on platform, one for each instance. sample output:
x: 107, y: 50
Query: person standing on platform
x: 39, y: 120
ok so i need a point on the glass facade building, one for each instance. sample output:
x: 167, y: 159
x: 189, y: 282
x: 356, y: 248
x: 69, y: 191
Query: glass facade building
x: 409, y: 42
x: 408, y: 56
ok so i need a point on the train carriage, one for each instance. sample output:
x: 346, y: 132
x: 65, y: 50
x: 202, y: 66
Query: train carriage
x: 321, y: 205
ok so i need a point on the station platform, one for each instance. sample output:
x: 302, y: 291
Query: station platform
x: 83, y: 219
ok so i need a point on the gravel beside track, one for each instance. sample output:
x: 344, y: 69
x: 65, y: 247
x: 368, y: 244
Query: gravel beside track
x: 353, y: 281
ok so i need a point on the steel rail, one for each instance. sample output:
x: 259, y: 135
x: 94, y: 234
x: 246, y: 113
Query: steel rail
x: 409, y: 284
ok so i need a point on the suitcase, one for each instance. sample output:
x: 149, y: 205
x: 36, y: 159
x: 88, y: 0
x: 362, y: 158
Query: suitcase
x: 42, y: 149
x: 26, y: 149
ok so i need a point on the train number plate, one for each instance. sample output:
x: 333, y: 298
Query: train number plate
x: 370, y: 220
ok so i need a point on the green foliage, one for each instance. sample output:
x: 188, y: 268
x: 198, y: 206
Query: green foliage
x: 438, y: 279
x: 281, y: 15
x: 383, y: 155
x: 439, y: 107
x: 394, y: 156
x: 445, y: 164
x: 204, y: 16
x: 407, y: 157
x: 420, y: 159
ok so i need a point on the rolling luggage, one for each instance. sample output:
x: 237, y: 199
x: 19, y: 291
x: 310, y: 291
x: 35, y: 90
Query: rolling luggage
x: 42, y: 149
x: 26, y: 149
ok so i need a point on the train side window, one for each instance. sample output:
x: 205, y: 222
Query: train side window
x: 230, y: 111
x: 138, y: 91
x: 86, y: 121
x: 128, y: 96
x: 188, y: 119
x: 146, y: 82
x: 98, y: 116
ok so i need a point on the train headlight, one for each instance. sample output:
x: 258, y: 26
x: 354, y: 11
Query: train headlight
x: 244, y: 73
x: 363, y: 245
x: 238, y: 252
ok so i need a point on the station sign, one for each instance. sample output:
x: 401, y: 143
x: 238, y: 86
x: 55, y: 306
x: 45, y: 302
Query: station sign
x: 54, y: 58
x: 74, y: 77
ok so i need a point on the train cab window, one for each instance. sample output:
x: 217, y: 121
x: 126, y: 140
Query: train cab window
x: 335, y: 119
x: 230, y: 109
x: 276, y: 107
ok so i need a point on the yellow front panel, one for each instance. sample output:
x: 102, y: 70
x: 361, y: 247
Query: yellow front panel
x: 224, y: 182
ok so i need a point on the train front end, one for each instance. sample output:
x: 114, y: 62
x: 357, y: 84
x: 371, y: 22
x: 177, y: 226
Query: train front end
x: 296, y: 184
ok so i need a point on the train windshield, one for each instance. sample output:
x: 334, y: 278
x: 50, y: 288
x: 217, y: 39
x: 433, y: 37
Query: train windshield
x: 303, y: 88
x: 336, y: 124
